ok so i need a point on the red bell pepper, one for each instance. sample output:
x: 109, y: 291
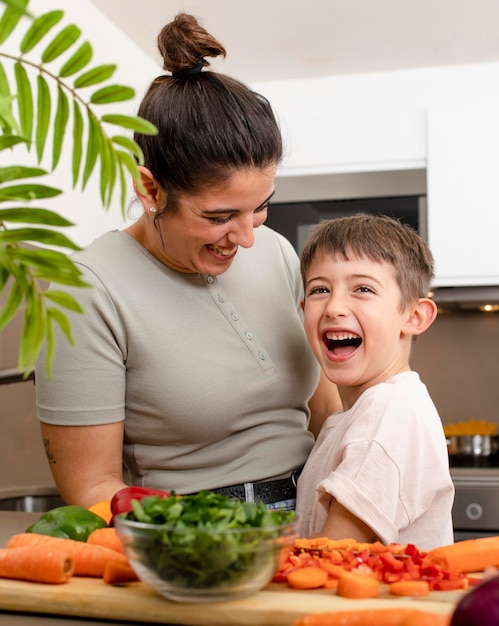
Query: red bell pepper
x: 121, y: 502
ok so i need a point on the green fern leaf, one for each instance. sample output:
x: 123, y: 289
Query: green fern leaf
x: 10, y: 307
x: 93, y: 147
x: 34, y: 329
x: 15, y: 172
x: 33, y: 215
x: 137, y: 124
x: 24, y: 101
x: 78, y: 61
x: 109, y: 166
x: 123, y: 186
x: 43, y: 115
x: 131, y: 146
x: 60, y: 123
x: 64, y: 40
x: 10, y: 18
x: 112, y: 93
x: 38, y: 235
x: 64, y: 300
x: 45, y: 259
x: 27, y: 192
x: 95, y: 76
x: 8, y: 141
x: 127, y: 162
x: 77, y: 141
x: 39, y: 28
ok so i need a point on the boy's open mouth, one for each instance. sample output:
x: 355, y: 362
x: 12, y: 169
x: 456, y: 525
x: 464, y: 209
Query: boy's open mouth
x: 341, y: 343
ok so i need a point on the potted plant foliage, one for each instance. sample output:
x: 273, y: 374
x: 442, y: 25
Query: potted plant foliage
x: 44, y: 104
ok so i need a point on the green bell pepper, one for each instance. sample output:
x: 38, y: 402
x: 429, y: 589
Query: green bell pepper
x: 68, y: 522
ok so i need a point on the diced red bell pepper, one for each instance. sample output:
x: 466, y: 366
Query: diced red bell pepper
x: 121, y: 502
x: 449, y: 584
x: 390, y: 562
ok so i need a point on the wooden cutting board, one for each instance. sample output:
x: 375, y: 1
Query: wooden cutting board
x: 276, y: 605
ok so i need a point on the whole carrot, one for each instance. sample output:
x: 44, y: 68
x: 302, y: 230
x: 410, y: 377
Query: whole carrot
x: 106, y: 537
x: 36, y: 564
x: 375, y: 617
x: 116, y: 573
x: 89, y: 559
x: 471, y: 555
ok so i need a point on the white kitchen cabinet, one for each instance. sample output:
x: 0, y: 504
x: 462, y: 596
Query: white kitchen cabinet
x: 463, y: 194
x: 344, y: 141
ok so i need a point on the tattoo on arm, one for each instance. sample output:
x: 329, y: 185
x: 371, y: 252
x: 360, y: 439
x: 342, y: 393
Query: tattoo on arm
x: 48, y: 452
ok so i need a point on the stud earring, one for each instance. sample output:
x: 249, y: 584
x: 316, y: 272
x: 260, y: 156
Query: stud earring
x: 152, y: 209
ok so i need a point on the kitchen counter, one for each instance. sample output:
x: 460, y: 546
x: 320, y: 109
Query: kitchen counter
x: 90, y: 601
x: 12, y: 522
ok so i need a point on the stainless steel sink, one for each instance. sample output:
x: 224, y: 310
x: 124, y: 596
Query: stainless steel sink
x: 37, y: 499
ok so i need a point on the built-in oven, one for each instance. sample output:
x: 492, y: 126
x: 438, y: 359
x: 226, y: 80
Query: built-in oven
x: 476, y: 503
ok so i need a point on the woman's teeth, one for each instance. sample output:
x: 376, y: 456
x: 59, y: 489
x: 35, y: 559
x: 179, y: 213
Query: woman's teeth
x: 222, y: 251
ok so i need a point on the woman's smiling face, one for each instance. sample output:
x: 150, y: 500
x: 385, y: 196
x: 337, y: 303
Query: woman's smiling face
x: 204, y: 233
x: 354, y: 322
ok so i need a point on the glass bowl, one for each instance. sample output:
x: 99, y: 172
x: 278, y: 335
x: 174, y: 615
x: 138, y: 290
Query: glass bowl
x: 202, y: 564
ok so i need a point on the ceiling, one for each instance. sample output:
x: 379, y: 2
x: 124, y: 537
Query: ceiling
x: 281, y: 39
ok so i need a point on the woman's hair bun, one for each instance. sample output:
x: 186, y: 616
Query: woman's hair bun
x: 184, y: 44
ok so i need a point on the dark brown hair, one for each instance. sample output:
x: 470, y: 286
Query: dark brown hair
x: 381, y: 239
x: 210, y: 125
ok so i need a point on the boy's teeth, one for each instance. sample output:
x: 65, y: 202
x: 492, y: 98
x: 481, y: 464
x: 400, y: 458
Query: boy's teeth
x: 340, y: 336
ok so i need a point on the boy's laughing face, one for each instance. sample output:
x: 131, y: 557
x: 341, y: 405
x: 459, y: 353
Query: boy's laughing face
x: 354, y: 322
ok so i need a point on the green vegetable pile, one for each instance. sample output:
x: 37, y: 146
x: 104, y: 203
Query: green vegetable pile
x: 208, y: 540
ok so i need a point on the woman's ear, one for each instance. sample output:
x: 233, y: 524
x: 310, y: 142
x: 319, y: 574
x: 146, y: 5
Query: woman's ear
x: 148, y: 191
x: 420, y: 317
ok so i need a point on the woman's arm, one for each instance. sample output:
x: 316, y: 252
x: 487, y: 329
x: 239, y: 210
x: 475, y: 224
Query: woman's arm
x: 86, y: 461
x: 325, y: 401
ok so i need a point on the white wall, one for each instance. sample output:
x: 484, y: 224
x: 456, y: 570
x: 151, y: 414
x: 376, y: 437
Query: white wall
x: 135, y: 69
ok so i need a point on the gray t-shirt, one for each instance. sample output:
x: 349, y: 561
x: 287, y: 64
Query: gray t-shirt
x: 212, y: 374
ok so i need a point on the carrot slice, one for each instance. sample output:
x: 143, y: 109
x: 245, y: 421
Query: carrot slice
x: 410, y: 588
x: 89, y: 560
x: 107, y: 537
x: 116, y: 573
x: 307, y: 578
x: 375, y: 617
x: 471, y: 555
x: 355, y: 585
x: 36, y: 564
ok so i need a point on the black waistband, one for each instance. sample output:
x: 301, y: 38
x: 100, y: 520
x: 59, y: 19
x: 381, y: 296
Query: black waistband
x: 267, y: 491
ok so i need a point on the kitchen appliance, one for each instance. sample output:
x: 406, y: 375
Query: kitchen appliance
x: 294, y: 220
x: 476, y: 503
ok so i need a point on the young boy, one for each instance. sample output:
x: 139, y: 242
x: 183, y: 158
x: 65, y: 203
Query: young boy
x: 379, y: 469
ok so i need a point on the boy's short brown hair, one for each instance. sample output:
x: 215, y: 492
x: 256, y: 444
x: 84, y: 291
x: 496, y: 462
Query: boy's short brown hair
x: 381, y: 239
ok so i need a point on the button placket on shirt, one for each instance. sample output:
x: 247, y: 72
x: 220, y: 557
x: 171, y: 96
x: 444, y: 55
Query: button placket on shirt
x: 233, y: 317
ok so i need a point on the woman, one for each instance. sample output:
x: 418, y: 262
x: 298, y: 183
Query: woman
x: 190, y: 368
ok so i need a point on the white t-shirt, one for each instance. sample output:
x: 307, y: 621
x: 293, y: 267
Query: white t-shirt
x: 386, y: 461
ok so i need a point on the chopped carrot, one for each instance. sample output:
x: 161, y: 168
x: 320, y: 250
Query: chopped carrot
x: 107, y: 537
x: 410, y: 588
x: 355, y: 585
x: 331, y: 583
x: 89, y: 560
x: 331, y: 568
x: 116, y: 573
x: 307, y: 578
x: 471, y: 555
x: 375, y: 617
x: 103, y: 509
x: 36, y: 564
